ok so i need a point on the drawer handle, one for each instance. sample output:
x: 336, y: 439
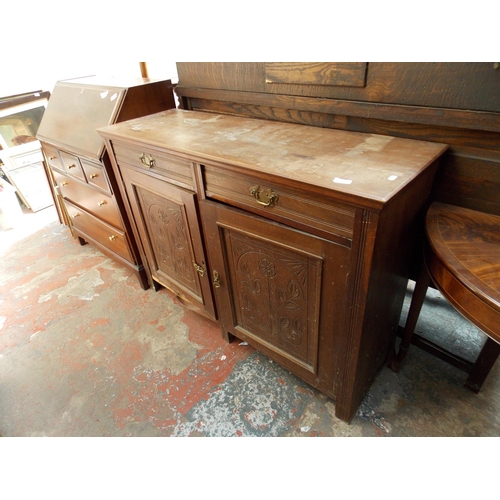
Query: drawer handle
x: 65, y: 183
x: 75, y: 215
x: 93, y: 176
x: 101, y: 203
x: 270, y: 196
x: 217, y: 283
x: 200, y: 269
x: 52, y: 157
x: 73, y: 165
x: 147, y: 160
x: 112, y: 237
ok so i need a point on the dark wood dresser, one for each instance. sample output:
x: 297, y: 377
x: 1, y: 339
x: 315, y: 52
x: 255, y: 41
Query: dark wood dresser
x: 84, y: 187
x: 297, y: 239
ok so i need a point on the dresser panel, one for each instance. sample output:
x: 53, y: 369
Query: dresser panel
x: 167, y: 223
x: 275, y: 292
x: 280, y: 289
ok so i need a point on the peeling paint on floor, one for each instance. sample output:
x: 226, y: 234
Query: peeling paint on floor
x: 80, y: 287
x: 86, y: 352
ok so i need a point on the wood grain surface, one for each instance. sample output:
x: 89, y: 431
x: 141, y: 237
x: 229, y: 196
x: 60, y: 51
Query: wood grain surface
x: 366, y: 166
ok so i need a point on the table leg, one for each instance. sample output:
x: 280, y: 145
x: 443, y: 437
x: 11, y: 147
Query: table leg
x: 417, y: 300
x: 484, y: 362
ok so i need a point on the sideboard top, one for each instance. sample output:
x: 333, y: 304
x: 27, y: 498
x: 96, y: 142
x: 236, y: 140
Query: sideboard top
x: 358, y: 164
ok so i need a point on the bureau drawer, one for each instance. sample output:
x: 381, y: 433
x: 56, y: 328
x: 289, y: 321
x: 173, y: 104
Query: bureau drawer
x: 95, y: 175
x: 52, y: 156
x: 72, y: 164
x: 99, y: 231
x: 278, y: 202
x: 96, y: 202
x: 177, y: 170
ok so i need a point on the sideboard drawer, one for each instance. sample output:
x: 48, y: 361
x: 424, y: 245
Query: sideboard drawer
x: 175, y: 169
x: 96, y: 202
x: 278, y: 202
x: 98, y: 230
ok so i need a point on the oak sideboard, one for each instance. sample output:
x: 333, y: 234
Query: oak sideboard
x: 296, y: 239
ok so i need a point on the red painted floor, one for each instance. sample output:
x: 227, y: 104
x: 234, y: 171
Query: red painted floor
x: 84, y: 351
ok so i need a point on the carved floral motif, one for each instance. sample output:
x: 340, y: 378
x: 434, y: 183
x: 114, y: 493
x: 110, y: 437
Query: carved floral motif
x: 168, y: 238
x: 273, y: 293
x: 267, y: 268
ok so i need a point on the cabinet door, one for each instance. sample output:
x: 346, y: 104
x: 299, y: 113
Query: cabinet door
x: 169, y: 230
x: 282, y: 290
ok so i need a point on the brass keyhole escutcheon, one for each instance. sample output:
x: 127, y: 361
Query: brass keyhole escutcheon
x: 199, y: 269
x: 93, y: 176
x: 147, y: 160
x: 217, y: 283
x: 112, y: 237
x: 101, y: 203
x: 264, y: 198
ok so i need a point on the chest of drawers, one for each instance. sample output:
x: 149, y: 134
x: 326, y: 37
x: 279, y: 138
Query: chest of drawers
x: 86, y: 191
x: 294, y: 238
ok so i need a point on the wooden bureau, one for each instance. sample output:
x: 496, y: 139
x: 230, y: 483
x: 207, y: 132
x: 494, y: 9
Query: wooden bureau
x: 296, y: 239
x: 83, y: 182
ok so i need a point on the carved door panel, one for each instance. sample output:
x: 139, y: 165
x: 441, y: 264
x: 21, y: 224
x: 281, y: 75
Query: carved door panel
x: 282, y: 290
x: 167, y: 221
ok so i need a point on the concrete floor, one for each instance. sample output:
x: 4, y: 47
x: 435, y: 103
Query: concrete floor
x: 84, y: 351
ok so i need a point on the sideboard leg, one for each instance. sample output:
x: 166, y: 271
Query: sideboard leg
x: 143, y: 278
x: 228, y: 337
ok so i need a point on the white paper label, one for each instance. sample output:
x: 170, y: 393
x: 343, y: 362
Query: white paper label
x: 338, y: 180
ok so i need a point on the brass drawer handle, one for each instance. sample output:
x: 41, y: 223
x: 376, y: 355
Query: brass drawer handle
x: 101, y: 203
x: 147, y: 160
x: 75, y: 215
x: 199, y: 269
x: 73, y: 165
x: 217, y: 283
x: 112, y: 237
x: 93, y: 176
x: 270, y: 196
x: 65, y: 183
x: 52, y: 157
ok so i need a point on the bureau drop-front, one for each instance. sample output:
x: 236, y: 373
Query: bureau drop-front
x: 296, y: 239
